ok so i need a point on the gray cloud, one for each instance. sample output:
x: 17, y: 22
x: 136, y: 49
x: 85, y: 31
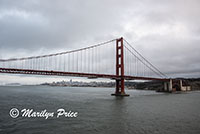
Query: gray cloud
x: 166, y: 32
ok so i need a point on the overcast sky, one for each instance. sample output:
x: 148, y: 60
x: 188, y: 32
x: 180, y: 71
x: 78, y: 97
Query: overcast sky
x: 166, y: 32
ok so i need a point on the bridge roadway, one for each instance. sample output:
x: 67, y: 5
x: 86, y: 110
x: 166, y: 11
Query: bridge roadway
x: 77, y: 74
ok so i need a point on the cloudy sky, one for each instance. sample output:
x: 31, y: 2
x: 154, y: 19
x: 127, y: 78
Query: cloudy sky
x: 166, y: 32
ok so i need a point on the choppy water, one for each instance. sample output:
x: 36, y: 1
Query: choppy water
x: 144, y: 112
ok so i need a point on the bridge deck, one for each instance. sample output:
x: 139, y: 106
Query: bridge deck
x: 75, y: 74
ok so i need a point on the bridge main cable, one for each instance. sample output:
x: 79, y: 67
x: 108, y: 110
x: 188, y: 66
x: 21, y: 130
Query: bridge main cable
x: 158, y: 71
x: 61, y: 53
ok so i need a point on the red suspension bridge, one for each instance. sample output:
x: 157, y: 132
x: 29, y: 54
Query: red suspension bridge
x: 115, y: 59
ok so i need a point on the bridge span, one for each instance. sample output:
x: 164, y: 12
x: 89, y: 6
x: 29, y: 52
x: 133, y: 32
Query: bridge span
x: 116, y: 59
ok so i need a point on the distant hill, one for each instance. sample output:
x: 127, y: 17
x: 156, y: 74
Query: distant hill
x: 157, y: 85
x: 13, y: 84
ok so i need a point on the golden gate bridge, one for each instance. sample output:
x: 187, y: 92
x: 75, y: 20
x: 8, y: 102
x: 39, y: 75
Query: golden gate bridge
x: 115, y: 59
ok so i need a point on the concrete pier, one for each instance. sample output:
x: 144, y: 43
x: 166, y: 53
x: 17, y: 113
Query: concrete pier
x: 165, y: 87
x: 170, y: 85
x: 120, y: 94
x: 176, y: 85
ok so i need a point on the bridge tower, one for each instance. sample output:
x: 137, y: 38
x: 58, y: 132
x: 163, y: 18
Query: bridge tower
x: 120, y: 91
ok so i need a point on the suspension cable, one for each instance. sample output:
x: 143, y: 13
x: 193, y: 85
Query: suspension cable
x: 66, y: 52
x: 145, y: 59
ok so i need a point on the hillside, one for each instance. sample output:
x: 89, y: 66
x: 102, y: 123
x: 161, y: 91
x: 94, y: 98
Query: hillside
x: 156, y: 85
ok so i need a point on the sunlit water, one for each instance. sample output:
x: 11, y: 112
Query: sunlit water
x: 144, y: 112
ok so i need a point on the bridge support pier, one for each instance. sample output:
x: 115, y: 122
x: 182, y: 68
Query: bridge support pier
x: 120, y: 68
x: 120, y: 88
x: 165, y: 87
x: 181, y: 85
x: 168, y: 86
